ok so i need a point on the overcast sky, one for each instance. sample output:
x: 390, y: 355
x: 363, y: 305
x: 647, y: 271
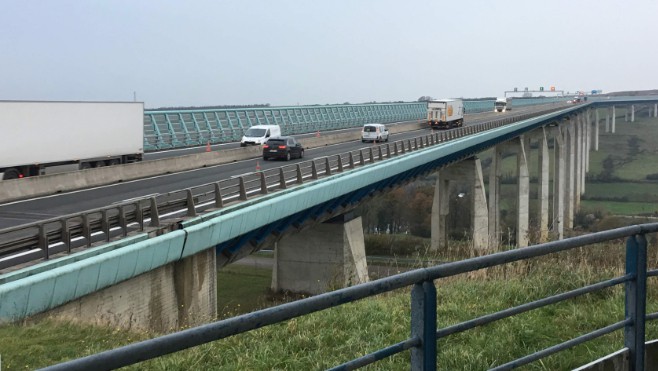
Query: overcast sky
x: 193, y: 53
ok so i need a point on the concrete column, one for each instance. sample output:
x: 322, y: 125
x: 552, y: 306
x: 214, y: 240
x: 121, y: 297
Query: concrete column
x: 578, y: 158
x: 543, y: 186
x: 470, y: 171
x: 607, y: 120
x: 559, y: 150
x: 523, y: 191
x: 495, y: 173
x: 174, y: 296
x: 596, y: 131
x: 583, y: 155
x: 655, y: 110
x: 632, y: 113
x: 570, y: 172
x: 626, y: 114
x: 614, y: 119
x: 440, y: 209
x: 327, y: 256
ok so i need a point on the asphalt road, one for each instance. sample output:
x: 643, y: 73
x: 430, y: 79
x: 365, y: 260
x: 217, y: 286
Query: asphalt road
x: 26, y: 211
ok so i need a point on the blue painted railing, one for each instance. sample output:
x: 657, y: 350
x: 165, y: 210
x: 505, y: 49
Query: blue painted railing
x: 165, y: 129
x: 424, y: 332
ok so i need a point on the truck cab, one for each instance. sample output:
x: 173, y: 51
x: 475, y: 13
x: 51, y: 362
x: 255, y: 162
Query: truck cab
x: 500, y: 105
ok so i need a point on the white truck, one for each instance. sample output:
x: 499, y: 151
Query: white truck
x: 503, y: 104
x: 445, y: 113
x: 40, y: 137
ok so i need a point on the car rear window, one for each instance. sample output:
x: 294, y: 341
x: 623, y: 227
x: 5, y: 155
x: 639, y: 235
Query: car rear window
x: 276, y: 142
x: 370, y: 129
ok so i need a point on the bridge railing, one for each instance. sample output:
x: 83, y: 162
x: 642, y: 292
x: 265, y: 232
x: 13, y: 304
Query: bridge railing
x: 422, y: 344
x: 42, y: 240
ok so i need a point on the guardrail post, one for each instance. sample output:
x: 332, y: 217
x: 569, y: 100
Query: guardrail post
x: 388, y: 150
x: 636, y: 300
x: 65, y: 235
x: 219, y: 202
x: 300, y: 178
x: 122, y: 220
x: 282, y: 179
x: 361, y: 160
x: 371, y: 155
x: 403, y: 150
x: 314, y: 170
x: 351, y: 160
x: 327, y: 167
x: 43, y: 241
x: 86, y: 229
x: 105, y: 225
x: 423, y: 326
x: 155, y: 217
x: 191, y: 210
x: 395, y: 147
x: 340, y: 163
x: 243, y: 189
x: 380, y: 154
x: 415, y: 143
x: 263, y: 183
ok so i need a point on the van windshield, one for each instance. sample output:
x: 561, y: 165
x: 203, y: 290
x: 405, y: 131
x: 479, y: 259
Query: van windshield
x: 255, y: 132
x: 370, y: 129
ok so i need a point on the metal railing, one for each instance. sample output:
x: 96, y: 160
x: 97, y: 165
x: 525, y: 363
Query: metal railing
x: 43, y: 239
x: 424, y: 332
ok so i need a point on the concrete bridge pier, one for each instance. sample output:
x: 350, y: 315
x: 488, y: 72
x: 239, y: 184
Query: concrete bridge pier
x: 495, y: 173
x: 543, y: 186
x: 570, y: 173
x: 470, y: 171
x: 655, y: 110
x: 523, y: 190
x: 607, y: 120
x: 324, y: 257
x: 180, y: 294
x: 596, y: 130
x: 559, y: 181
x: 614, y: 117
x: 632, y: 113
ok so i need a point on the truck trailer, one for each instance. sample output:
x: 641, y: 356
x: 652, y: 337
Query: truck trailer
x: 445, y: 113
x: 42, y: 137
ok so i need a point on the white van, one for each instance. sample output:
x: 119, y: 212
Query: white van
x: 374, y: 132
x: 259, y: 134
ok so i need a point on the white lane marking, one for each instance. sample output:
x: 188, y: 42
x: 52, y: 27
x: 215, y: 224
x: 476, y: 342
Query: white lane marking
x: 136, y: 198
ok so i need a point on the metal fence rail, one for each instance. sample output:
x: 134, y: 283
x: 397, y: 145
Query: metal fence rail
x: 184, y: 128
x: 424, y: 332
x: 41, y: 240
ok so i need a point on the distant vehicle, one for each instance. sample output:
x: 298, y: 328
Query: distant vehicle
x: 503, y: 104
x: 445, y: 113
x: 259, y: 134
x: 40, y: 137
x: 282, y: 147
x: 575, y: 100
x: 374, y: 133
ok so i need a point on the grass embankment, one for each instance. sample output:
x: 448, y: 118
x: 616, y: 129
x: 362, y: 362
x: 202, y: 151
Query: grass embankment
x: 331, y: 337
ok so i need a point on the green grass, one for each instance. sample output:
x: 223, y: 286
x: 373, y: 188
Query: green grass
x: 621, y: 208
x: 333, y: 336
x: 241, y: 289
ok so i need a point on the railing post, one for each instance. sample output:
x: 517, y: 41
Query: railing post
x: 191, y: 209
x: 361, y: 160
x: 340, y: 163
x: 243, y: 189
x: 371, y: 155
x: 314, y: 170
x: 105, y: 224
x: 636, y: 300
x: 282, y: 179
x: 86, y: 229
x: 263, y: 183
x: 219, y: 202
x: 380, y: 154
x: 300, y: 177
x: 423, y: 326
x: 327, y: 167
x: 65, y: 235
x: 351, y: 160
x: 155, y: 217
x: 43, y: 241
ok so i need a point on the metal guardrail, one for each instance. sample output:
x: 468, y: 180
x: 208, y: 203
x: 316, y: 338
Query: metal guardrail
x: 43, y: 239
x: 424, y: 332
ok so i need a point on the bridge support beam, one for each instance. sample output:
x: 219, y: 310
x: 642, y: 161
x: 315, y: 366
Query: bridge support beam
x: 655, y: 110
x: 559, y: 181
x: 543, y: 187
x: 324, y: 257
x: 570, y: 173
x: 578, y: 158
x: 607, y: 120
x: 523, y: 190
x: 495, y: 173
x: 596, y: 130
x: 632, y: 113
x: 470, y: 171
x: 614, y: 119
x: 179, y: 294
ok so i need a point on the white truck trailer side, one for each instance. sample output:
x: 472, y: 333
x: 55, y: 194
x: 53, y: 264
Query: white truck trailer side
x: 38, y: 135
x: 445, y: 113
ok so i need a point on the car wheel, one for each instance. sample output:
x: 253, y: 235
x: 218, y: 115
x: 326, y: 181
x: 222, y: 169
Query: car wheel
x: 301, y: 154
x: 363, y: 140
x: 264, y: 158
x: 288, y: 156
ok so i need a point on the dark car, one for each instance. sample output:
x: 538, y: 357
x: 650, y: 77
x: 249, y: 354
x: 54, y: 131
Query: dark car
x: 282, y: 147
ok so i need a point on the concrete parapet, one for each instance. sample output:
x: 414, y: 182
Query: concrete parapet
x: 326, y: 256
